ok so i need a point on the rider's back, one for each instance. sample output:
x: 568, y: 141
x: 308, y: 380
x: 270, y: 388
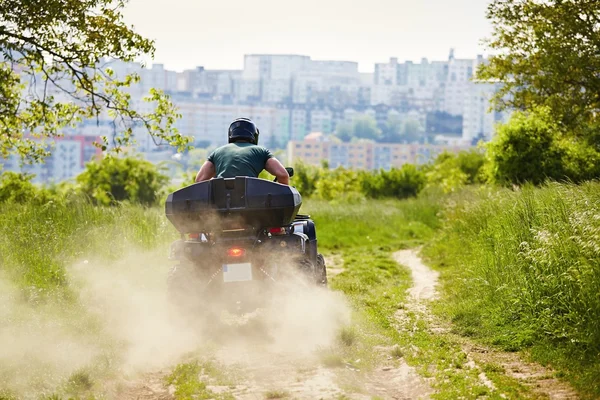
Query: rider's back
x: 239, y: 159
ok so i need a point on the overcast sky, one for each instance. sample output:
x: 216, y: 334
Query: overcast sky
x: 217, y: 34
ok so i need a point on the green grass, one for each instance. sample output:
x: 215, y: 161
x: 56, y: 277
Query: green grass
x: 37, y: 245
x: 365, y: 235
x: 80, y: 382
x: 347, y: 336
x: 376, y: 287
x: 186, y: 379
x: 521, y: 270
x: 37, y: 242
x: 373, y: 223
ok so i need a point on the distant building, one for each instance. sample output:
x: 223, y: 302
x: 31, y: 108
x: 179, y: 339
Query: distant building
x: 273, y: 66
x: 290, y: 96
x: 479, y: 119
x: 209, y: 122
x: 316, y: 148
x: 67, y: 160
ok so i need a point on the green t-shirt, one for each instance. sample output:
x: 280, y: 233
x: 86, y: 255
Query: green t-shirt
x: 239, y: 159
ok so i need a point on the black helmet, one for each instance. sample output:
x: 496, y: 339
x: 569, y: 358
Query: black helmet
x: 243, y: 129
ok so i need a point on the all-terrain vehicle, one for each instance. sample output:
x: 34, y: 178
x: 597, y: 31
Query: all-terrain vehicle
x: 240, y: 236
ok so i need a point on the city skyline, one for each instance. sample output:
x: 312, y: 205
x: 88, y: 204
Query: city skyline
x: 190, y: 34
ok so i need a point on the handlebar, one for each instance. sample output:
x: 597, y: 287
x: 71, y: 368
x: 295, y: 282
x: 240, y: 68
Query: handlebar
x: 290, y: 172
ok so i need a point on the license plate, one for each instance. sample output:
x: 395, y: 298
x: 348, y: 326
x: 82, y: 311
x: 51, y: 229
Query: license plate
x: 237, y: 272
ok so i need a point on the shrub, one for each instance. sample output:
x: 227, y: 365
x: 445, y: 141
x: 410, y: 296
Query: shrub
x: 471, y: 163
x: 526, y: 149
x: 113, y: 180
x: 450, y: 172
x: 18, y: 188
x: 338, y: 184
x: 399, y: 183
x: 581, y: 162
x: 533, y: 148
x: 305, y: 178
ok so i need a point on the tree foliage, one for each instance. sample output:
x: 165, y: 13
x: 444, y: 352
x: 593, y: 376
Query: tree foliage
x: 547, y: 55
x: 53, y: 75
x: 344, y: 131
x: 365, y: 127
x: 18, y: 188
x: 398, y: 130
x: 532, y: 147
x: 361, y: 127
x: 451, y: 172
x: 400, y: 183
x: 115, y: 179
x: 395, y: 130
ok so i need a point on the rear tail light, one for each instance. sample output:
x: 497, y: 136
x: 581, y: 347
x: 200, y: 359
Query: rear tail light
x: 236, y: 252
x: 277, y: 231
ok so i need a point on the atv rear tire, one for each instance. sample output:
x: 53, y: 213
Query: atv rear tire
x: 316, y: 274
x: 321, y: 271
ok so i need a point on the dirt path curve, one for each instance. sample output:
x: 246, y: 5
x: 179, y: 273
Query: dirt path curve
x: 540, y: 379
x: 424, y: 279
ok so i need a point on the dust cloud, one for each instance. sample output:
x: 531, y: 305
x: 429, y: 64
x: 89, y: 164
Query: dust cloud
x: 41, y: 343
x: 123, y: 325
x: 129, y: 297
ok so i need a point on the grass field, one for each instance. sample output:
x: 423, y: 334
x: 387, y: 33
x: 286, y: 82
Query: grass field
x: 521, y: 270
x: 37, y: 242
x: 366, y: 236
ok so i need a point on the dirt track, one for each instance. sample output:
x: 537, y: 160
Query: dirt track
x: 537, y: 377
x: 261, y: 369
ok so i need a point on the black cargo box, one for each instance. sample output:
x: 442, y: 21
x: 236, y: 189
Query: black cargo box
x: 246, y: 201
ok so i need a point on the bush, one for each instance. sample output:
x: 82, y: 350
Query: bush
x: 532, y: 148
x: 471, y: 163
x: 305, y: 178
x: 450, y: 172
x: 338, y: 184
x: 113, y: 180
x: 18, y: 188
x: 581, y: 161
x: 400, y: 183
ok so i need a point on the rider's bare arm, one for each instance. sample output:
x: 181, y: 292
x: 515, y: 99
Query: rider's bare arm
x: 206, y: 172
x: 274, y: 167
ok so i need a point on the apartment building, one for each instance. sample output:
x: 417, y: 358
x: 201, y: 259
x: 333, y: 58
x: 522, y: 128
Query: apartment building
x: 67, y: 160
x: 316, y: 148
x: 209, y: 122
x: 479, y: 119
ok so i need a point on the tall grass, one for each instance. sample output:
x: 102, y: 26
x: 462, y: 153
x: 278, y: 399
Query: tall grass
x: 523, y: 268
x: 36, y: 242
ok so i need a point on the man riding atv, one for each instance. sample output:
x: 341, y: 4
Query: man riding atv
x: 242, y: 156
x: 240, y: 235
